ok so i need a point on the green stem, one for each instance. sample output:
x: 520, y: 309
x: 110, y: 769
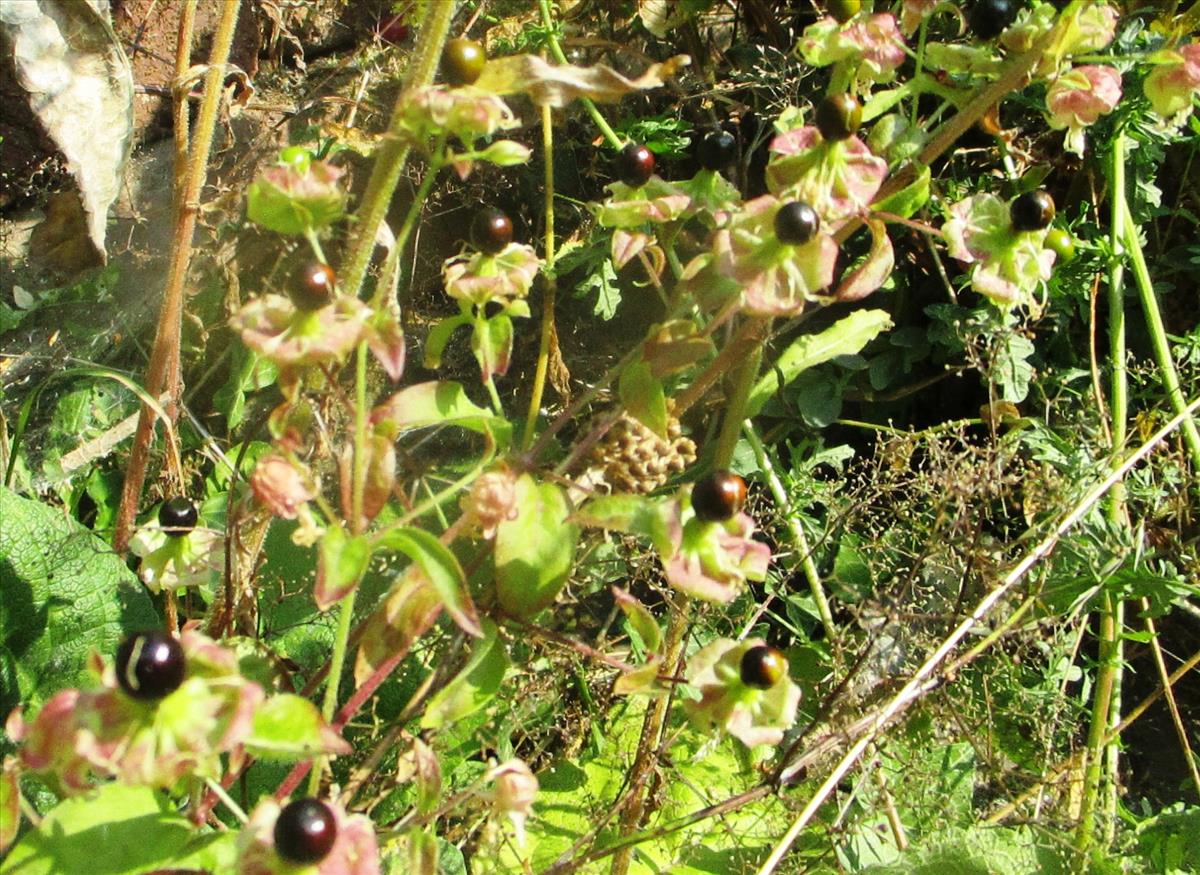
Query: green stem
x: 920, y: 62
x: 1158, y: 332
x: 338, y: 660
x: 393, y: 153
x: 436, y: 162
x: 735, y: 409
x: 497, y: 407
x: 1109, y: 643
x: 549, y: 286
x: 556, y: 50
x: 784, y: 504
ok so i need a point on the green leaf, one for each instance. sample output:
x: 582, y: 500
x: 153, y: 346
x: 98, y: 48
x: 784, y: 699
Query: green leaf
x: 441, y: 568
x: 608, y: 293
x: 492, y: 342
x: 342, y: 560
x: 115, y: 830
x: 847, y: 336
x: 251, y: 372
x: 438, y: 403
x: 1010, y: 366
x: 288, y: 727
x: 643, y: 397
x: 535, y: 551
x: 63, y: 594
x: 632, y: 514
x: 439, y: 336
x: 819, y: 397
x: 909, y: 199
x: 10, y: 802
x: 474, y: 686
x: 640, y: 620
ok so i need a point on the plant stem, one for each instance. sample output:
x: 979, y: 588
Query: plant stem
x: 549, y: 286
x: 336, y: 662
x: 1154, y: 323
x: 735, y: 409
x: 436, y: 162
x: 556, y: 50
x: 162, y: 372
x: 784, y: 505
x: 393, y: 153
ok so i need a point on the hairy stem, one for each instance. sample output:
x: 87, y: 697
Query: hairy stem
x: 393, y: 153
x: 555, y: 49
x: 162, y: 373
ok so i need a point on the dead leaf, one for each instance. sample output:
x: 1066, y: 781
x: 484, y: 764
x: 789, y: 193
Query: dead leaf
x: 549, y: 85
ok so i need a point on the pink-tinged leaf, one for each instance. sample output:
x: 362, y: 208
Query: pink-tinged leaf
x: 873, y: 272
x: 492, y: 344
x: 675, y: 346
x: 627, y: 244
x: 387, y: 344
x: 643, y: 679
x: 440, y: 568
x: 342, y: 560
x: 381, y: 475
x: 420, y: 765
x: 405, y: 615
x: 550, y: 85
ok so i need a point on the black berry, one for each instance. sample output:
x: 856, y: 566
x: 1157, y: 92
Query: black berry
x: 491, y: 230
x: 718, y: 496
x: 716, y: 150
x: 462, y: 61
x: 178, y: 516
x: 843, y: 10
x: 635, y: 165
x: 763, y: 667
x: 150, y: 665
x: 796, y: 223
x: 305, y: 831
x: 838, y: 116
x: 1032, y: 211
x: 313, y: 286
x: 989, y: 18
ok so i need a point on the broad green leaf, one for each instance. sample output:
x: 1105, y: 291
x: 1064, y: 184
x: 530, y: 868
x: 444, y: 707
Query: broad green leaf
x: 608, y: 291
x: 114, y: 830
x: 535, y: 551
x: 643, y: 397
x: 441, y: 568
x: 63, y: 593
x: 288, y: 727
x: 342, y: 561
x: 844, y: 337
x: 474, y: 686
x: 438, y: 403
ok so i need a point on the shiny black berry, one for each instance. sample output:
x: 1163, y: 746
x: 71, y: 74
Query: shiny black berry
x: 763, y: 667
x: 716, y: 150
x: 491, y: 230
x: 843, y: 10
x: 1032, y: 211
x: 796, y: 223
x: 635, y: 165
x: 989, y: 18
x: 305, y: 831
x: 178, y: 516
x: 838, y: 116
x: 313, y: 286
x: 718, y: 496
x: 462, y: 61
x: 150, y: 665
